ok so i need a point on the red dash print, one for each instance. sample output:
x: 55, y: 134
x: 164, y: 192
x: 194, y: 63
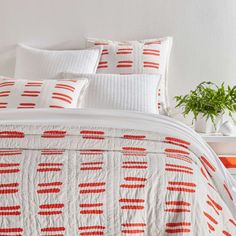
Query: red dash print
x: 176, y: 140
x: 51, y: 187
x: 178, y: 168
x: 49, y: 167
x: 92, y: 134
x: 49, y: 209
x: 178, y: 203
x: 232, y: 221
x: 133, y: 149
x: 169, y: 150
x: 187, y: 184
x: 12, y: 134
x: 133, y: 228
x: 52, y: 152
x: 151, y: 52
x: 3, y: 105
x: 211, y: 228
x: 135, y: 179
x: 214, y: 205
x: 178, y: 227
x: 53, y: 229
x: 124, y: 51
x: 86, y: 230
x: 55, y: 106
x: 179, y: 189
x: 5, y: 93
x: 26, y: 105
x: 134, y: 137
x: 131, y: 200
x: 132, y: 231
x: 228, y: 192
x: 98, y: 187
x: 65, y: 87
x: 7, y: 84
x: 101, y: 43
x: 30, y: 94
x: 91, y: 208
x: 11, y: 230
x: 226, y: 233
x: 132, y: 207
x: 154, y: 65
x: 177, y: 210
x: 9, y: 168
x: 134, y: 165
x: 103, y: 65
x: 54, y: 134
x: 179, y: 157
x: 207, y: 164
x: 124, y: 64
x: 10, y: 152
x: 93, y: 166
x: 34, y: 84
x: 62, y: 97
x: 105, y: 52
x: 91, y: 227
x: 152, y: 43
x: 132, y: 185
x: 91, y: 152
x: 210, y: 217
x: 10, y: 210
x: 177, y: 231
x: 9, y: 188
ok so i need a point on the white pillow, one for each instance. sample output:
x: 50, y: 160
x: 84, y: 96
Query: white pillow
x: 46, y: 64
x: 121, y: 92
x: 41, y: 94
x: 137, y: 57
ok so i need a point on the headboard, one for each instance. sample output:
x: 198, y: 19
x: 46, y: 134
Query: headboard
x: 204, y: 32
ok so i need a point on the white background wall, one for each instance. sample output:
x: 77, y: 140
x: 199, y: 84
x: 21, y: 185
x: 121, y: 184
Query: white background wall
x: 204, y: 31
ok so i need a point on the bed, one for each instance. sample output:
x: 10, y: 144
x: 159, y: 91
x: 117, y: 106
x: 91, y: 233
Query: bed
x: 103, y: 172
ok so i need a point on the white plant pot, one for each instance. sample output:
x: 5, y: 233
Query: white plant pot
x: 207, y: 126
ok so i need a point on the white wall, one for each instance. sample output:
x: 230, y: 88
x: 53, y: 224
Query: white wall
x: 204, y: 31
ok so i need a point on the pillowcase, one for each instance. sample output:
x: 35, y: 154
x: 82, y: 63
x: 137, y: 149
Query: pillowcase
x: 137, y: 57
x: 121, y: 92
x: 46, y: 64
x: 41, y: 94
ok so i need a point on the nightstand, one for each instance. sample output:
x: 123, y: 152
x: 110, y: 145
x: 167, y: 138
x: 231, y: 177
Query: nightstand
x: 225, y: 148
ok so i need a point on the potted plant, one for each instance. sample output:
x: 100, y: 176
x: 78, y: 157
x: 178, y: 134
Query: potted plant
x: 208, y: 102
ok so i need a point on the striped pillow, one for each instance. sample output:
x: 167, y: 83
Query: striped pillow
x: 41, y: 94
x: 137, y: 57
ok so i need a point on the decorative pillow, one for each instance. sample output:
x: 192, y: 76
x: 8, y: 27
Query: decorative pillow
x: 46, y: 64
x: 41, y: 94
x: 121, y: 92
x: 137, y: 57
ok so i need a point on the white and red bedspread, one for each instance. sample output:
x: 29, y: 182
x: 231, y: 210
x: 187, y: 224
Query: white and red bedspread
x: 91, y: 173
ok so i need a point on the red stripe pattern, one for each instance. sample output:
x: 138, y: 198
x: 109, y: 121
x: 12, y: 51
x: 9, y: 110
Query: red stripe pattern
x: 23, y: 94
x: 92, y: 181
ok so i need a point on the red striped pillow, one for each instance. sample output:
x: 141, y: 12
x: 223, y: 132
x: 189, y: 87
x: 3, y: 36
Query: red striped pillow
x: 41, y: 94
x: 137, y: 57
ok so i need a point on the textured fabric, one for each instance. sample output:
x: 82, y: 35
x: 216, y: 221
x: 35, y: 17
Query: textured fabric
x: 120, y: 92
x: 41, y: 94
x: 46, y: 64
x: 83, y: 180
x: 137, y: 57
